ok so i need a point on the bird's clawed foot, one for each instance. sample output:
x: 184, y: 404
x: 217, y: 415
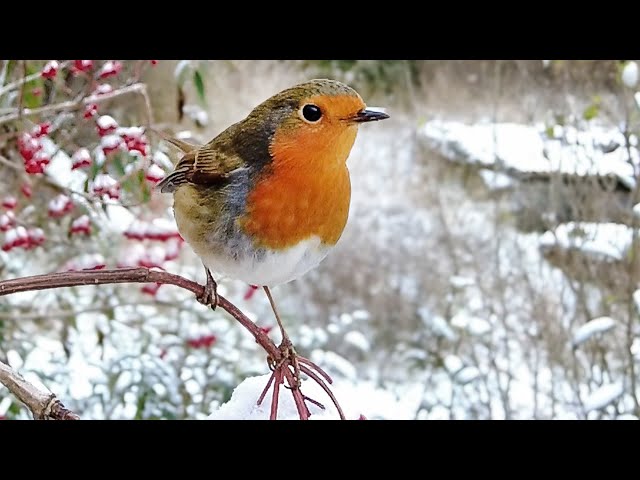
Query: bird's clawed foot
x: 288, y: 358
x: 288, y: 366
x: 209, y: 296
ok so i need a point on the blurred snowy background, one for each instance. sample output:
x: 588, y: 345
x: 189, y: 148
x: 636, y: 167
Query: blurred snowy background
x: 488, y: 269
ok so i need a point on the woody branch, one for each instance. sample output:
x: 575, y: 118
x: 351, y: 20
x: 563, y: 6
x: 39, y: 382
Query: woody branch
x: 131, y: 275
x: 43, y: 405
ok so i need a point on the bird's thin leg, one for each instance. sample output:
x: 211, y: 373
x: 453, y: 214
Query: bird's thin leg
x: 286, y: 346
x: 210, y: 295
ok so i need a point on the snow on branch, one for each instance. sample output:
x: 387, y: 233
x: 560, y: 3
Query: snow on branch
x: 139, y: 88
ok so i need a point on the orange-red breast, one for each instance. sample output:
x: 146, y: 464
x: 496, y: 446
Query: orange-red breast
x: 267, y: 199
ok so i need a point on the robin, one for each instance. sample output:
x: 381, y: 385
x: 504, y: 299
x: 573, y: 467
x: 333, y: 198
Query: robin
x: 268, y: 198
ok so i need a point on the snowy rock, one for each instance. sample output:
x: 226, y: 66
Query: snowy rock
x: 474, y: 325
x: 358, y: 340
x: 591, y: 328
x: 466, y: 375
x: 518, y: 150
x: 453, y: 364
x: 437, y: 324
x: 496, y: 180
x: 603, y: 396
x: 458, y: 281
x: 602, y: 241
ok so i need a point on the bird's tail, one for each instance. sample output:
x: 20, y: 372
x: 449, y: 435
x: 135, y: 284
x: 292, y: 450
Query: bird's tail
x: 169, y: 183
x: 185, y: 147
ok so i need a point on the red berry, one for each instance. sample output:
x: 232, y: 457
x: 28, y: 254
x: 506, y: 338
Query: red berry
x: 105, y: 184
x: 50, y: 70
x: 151, y: 288
x: 41, y: 129
x: 83, y: 65
x: 28, y: 146
x: 9, y: 202
x: 35, y: 238
x: 81, y: 225
x: 59, y: 206
x: 111, y: 143
x: 26, y: 190
x: 106, y: 125
x: 7, y: 221
x: 18, y: 237
x: 42, y: 157
x: 33, y: 168
x: 81, y: 158
x: 250, y: 292
x: 154, y: 173
x: 90, y: 110
x: 110, y: 69
x: 202, y: 341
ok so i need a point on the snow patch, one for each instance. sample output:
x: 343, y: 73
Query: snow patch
x: 591, y: 328
x: 358, y: 340
x: 466, y: 375
x: 600, y: 240
x: 496, y: 180
x: 474, y: 325
x: 361, y: 398
x: 603, y: 396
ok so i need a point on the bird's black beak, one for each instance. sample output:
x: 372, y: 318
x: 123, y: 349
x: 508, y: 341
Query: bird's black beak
x: 369, y: 115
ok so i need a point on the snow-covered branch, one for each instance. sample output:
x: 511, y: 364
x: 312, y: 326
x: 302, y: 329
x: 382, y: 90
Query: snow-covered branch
x: 139, y: 88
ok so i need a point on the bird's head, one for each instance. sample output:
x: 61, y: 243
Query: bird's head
x: 315, y: 121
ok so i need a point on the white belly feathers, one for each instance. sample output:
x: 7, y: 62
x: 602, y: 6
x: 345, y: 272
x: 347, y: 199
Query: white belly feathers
x: 272, y: 267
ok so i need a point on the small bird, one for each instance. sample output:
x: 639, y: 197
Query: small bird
x: 268, y: 198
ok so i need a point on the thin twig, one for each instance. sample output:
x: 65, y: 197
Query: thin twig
x: 266, y: 388
x: 26, y: 79
x: 139, y: 88
x: 308, y: 362
x: 276, y: 392
x: 8, y: 163
x: 298, y: 397
x: 315, y: 402
x: 21, y: 96
x: 3, y: 72
x: 324, y: 386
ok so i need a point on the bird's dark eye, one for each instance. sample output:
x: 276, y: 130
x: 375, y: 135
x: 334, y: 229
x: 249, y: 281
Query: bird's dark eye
x: 311, y: 113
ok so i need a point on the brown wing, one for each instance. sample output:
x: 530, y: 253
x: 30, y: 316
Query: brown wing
x: 203, y: 165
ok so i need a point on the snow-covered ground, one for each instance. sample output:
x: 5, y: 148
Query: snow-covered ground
x: 357, y: 398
